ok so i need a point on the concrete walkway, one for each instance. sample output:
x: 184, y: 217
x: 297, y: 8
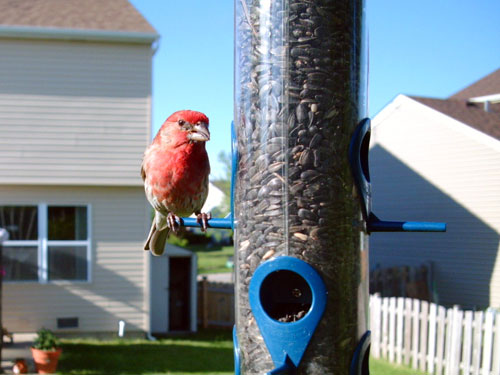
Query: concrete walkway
x: 19, y: 349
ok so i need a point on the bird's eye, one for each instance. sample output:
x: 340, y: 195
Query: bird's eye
x: 181, y: 122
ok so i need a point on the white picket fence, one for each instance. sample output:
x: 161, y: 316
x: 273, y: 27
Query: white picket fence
x: 433, y: 339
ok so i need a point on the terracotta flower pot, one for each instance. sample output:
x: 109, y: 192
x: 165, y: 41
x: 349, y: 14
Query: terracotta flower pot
x: 46, y: 361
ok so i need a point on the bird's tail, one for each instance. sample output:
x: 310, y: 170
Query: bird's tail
x: 156, y: 240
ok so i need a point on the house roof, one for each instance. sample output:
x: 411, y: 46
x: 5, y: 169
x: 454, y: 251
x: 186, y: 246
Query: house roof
x: 96, y: 15
x: 485, y: 86
x: 472, y: 114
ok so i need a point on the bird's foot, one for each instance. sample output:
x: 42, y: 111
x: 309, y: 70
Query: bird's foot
x: 202, y: 219
x: 173, y: 222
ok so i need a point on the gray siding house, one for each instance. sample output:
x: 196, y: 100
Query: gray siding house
x: 439, y: 160
x: 75, y: 116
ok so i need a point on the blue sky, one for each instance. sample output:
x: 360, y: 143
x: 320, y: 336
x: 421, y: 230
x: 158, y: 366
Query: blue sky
x: 428, y: 48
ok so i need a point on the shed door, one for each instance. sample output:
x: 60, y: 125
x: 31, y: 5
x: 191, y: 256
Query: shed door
x: 179, y: 296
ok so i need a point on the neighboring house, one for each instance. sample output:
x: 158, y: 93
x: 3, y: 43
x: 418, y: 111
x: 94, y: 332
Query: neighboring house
x: 214, y: 199
x: 439, y: 160
x: 75, y: 117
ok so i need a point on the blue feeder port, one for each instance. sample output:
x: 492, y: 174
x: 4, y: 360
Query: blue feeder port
x: 288, y: 298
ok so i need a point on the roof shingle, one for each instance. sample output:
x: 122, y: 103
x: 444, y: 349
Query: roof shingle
x: 471, y: 114
x: 485, y: 86
x: 106, y: 15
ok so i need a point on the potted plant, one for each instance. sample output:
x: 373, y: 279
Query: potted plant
x: 46, y: 351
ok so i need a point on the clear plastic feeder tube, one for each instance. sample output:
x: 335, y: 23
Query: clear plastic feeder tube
x: 300, y: 90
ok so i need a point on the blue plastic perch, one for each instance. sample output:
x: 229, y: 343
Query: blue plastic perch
x: 376, y: 225
x: 220, y: 223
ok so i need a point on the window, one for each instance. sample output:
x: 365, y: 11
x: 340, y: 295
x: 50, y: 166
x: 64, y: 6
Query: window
x: 67, y: 243
x: 20, y: 253
x: 46, y: 243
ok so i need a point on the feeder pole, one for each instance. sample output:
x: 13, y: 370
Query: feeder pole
x: 300, y: 92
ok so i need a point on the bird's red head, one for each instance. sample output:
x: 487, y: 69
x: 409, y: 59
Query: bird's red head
x: 187, y: 115
x: 185, y: 126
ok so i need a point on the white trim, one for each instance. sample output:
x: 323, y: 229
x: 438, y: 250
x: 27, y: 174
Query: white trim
x: 89, y: 243
x: 494, y: 98
x: 21, y: 243
x: 4, y: 235
x: 42, y: 247
x: 386, y: 112
x: 63, y: 181
x: 37, y: 32
x: 67, y: 243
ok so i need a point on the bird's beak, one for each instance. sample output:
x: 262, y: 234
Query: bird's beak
x: 199, y: 133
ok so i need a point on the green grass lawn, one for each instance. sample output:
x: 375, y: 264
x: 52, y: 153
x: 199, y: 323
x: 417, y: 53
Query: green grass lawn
x: 381, y: 367
x: 203, y: 353
x: 200, y: 354
x: 212, y: 260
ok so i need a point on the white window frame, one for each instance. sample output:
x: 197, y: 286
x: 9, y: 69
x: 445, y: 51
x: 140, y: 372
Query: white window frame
x: 43, y: 244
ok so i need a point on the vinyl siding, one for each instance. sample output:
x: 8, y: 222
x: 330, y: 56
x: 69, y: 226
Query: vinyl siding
x: 118, y: 287
x: 426, y: 166
x: 73, y: 112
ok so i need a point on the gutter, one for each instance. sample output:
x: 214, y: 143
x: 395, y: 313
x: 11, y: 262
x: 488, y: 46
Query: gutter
x: 486, y: 100
x: 34, y: 32
x: 495, y: 98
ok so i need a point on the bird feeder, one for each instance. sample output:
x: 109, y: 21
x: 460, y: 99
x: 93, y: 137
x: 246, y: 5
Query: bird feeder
x: 302, y: 197
x: 301, y: 249
x: 301, y: 188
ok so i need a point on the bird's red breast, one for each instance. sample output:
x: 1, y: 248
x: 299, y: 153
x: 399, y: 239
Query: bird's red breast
x: 176, y: 170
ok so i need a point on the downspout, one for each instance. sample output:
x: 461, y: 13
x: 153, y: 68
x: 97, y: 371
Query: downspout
x: 33, y: 32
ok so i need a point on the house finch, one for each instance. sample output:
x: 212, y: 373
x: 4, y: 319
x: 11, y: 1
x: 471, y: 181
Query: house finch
x: 175, y: 172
